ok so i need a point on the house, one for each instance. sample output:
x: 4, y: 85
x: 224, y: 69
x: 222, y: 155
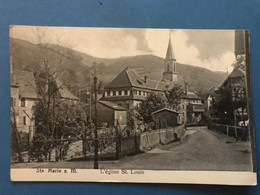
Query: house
x: 128, y: 89
x: 209, y: 97
x: 109, y: 114
x: 191, y: 108
x: 236, y: 84
x: 166, y: 118
x: 24, y: 96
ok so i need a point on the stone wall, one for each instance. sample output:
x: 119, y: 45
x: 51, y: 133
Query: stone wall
x: 161, y: 136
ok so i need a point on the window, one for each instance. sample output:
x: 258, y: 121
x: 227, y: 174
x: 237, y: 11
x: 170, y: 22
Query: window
x: 13, y: 101
x: 135, y: 92
x: 108, y: 93
x: 120, y: 93
x: 126, y: 92
x: 22, y: 102
x: 140, y: 93
x: 114, y: 93
x: 24, y: 120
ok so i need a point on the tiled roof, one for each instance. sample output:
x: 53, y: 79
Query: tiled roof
x: 167, y: 109
x: 237, y: 72
x: 112, y: 105
x: 26, y: 82
x: 27, y: 85
x: 192, y: 95
x: 129, y: 78
x: 64, y: 92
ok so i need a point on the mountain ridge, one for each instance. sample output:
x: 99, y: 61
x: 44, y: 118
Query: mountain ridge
x: 77, y: 67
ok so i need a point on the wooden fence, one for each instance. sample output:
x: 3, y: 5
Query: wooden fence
x: 233, y: 131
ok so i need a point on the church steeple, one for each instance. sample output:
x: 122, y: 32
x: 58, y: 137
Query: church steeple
x: 169, y: 64
x: 169, y: 53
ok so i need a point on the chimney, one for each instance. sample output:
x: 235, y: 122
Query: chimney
x: 145, y: 78
x: 186, y: 88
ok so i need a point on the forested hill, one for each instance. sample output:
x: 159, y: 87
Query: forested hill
x: 74, y: 68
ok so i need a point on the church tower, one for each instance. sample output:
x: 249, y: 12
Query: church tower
x: 170, y: 73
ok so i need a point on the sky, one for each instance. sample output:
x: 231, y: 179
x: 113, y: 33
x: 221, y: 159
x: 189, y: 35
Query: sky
x: 211, y: 49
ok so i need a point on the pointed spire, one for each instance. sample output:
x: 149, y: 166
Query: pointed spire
x: 170, y: 54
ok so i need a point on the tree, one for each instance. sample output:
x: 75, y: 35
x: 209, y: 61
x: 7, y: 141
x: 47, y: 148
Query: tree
x: 223, y: 107
x: 55, y: 118
x: 240, y: 63
x: 154, y: 101
x: 174, y: 96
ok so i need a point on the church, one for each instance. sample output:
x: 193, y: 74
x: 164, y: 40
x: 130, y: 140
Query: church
x: 128, y: 89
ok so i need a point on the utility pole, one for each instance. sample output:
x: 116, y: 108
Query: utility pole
x: 235, y: 123
x: 96, y: 122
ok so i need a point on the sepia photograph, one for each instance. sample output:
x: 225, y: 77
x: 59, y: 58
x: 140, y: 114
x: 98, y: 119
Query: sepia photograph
x: 131, y: 105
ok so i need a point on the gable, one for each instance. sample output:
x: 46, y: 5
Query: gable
x: 122, y: 80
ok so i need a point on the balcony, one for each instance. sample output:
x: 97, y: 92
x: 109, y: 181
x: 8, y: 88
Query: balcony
x: 196, y: 108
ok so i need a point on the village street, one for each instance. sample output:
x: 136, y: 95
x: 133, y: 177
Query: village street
x: 199, y: 149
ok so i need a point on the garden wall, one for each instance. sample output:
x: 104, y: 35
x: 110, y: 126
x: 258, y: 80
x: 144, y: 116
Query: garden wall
x: 160, y: 136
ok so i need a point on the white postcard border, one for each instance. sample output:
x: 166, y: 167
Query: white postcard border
x: 133, y: 176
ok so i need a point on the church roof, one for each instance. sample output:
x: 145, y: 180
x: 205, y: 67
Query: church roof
x: 129, y: 78
x: 169, y: 53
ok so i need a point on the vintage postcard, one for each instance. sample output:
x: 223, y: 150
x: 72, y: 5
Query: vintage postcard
x: 131, y: 105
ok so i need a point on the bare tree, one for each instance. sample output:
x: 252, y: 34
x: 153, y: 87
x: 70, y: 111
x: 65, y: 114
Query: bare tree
x: 51, y: 110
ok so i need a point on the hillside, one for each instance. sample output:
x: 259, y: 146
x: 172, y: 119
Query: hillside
x: 75, y: 68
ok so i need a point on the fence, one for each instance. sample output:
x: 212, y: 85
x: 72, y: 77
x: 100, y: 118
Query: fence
x: 161, y: 136
x: 112, y: 144
x: 233, y: 131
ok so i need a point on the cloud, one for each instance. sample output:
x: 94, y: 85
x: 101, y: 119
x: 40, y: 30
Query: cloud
x: 186, y: 52
x: 98, y: 42
x: 220, y: 41
x: 209, y: 49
